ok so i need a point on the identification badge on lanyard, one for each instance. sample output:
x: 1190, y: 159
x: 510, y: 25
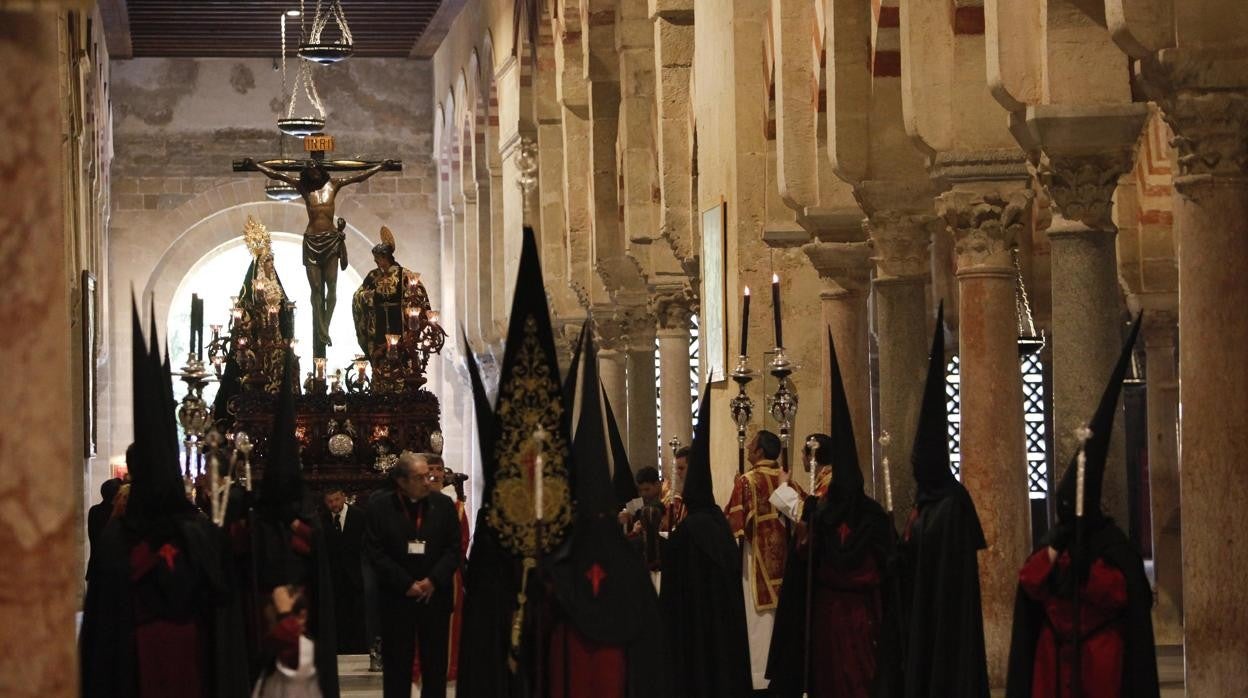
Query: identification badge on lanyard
x: 415, y: 547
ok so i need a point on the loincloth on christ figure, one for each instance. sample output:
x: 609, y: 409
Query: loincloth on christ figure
x: 323, y: 247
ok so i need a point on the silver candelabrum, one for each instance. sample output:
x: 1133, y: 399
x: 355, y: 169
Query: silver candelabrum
x: 195, y: 417
x: 742, y: 406
x: 782, y: 405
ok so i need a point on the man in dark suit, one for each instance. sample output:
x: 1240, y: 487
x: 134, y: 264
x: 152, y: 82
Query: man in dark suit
x: 412, y: 540
x: 344, y: 541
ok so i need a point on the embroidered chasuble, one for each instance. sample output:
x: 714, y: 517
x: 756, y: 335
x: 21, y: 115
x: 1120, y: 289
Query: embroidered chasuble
x: 753, y: 518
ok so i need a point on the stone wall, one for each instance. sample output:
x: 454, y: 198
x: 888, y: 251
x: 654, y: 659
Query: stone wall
x: 178, y: 125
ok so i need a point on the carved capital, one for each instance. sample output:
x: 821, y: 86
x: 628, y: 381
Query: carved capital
x: 1204, y: 98
x: 1082, y: 186
x: 674, y: 309
x: 845, y: 267
x: 901, y: 240
x: 610, y: 331
x: 986, y: 224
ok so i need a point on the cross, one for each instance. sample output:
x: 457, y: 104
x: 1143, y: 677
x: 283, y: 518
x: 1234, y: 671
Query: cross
x: 324, y: 249
x: 167, y: 552
x: 843, y: 531
x: 595, y: 574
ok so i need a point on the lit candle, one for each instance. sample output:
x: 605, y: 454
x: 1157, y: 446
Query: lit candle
x: 775, y: 304
x: 433, y: 317
x: 216, y: 332
x: 411, y: 317
x: 258, y: 287
x: 537, y: 486
x: 745, y: 322
x: 236, y: 313
x: 318, y: 368
x: 392, y: 342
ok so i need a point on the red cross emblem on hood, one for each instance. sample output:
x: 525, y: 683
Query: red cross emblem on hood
x: 595, y: 574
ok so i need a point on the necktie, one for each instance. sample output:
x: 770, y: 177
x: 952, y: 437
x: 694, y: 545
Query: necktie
x: 338, y: 522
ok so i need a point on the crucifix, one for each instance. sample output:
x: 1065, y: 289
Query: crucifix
x: 324, y: 249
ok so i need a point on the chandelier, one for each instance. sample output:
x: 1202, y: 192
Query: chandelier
x: 314, y: 47
x: 311, y: 121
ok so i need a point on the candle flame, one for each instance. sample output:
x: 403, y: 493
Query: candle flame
x: 747, y: 290
x: 775, y: 278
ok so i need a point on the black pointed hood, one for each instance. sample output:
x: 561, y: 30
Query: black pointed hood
x: 1096, y: 450
x: 570, y: 395
x: 484, y: 413
x: 530, y: 396
x: 591, y: 477
x: 930, y: 456
x: 156, y: 485
x: 281, y: 489
x: 699, y: 490
x: 846, y: 471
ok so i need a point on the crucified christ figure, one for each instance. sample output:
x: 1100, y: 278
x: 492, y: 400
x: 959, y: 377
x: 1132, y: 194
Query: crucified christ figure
x: 324, y: 251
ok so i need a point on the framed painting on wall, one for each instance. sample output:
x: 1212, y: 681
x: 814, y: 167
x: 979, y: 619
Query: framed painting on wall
x: 713, y: 315
x: 89, y: 341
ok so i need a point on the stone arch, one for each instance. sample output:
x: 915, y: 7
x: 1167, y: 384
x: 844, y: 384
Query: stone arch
x: 197, y: 233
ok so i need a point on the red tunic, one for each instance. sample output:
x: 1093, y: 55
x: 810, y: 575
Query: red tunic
x: 1103, y: 601
x: 845, y: 626
x: 752, y: 516
x: 593, y: 670
x: 168, y: 653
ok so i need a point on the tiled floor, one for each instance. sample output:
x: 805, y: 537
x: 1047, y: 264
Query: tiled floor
x: 357, y: 682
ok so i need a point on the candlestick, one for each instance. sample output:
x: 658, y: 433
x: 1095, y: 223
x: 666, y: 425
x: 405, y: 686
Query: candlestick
x: 812, y: 464
x: 411, y: 317
x: 884, y: 441
x: 775, y: 303
x: 538, y: 475
x: 1081, y: 467
x: 745, y: 321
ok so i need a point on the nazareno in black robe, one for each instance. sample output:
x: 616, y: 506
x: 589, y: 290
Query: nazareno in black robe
x: 708, y: 652
x: 871, y: 534
x: 945, y: 653
x: 1139, y: 664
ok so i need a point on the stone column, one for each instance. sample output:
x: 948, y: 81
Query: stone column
x: 40, y: 588
x: 902, y: 320
x: 643, y: 433
x: 845, y: 269
x: 1207, y: 106
x: 1088, y: 149
x: 612, y: 366
x: 1163, y: 471
x: 674, y: 312
x: 986, y: 219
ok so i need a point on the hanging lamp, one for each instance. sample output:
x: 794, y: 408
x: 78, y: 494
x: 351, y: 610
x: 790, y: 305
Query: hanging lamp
x: 314, y: 47
x: 312, y: 121
x: 276, y: 189
x: 1029, y: 340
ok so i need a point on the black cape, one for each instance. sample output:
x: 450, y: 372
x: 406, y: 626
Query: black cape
x: 704, y: 615
x: 107, y: 636
x: 1139, y: 666
x: 873, y: 535
x: 945, y: 638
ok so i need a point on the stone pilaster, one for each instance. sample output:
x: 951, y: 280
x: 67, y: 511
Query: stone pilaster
x: 1162, y: 386
x: 901, y: 237
x: 986, y: 219
x: 643, y: 435
x: 674, y: 312
x: 610, y: 334
x: 40, y: 587
x: 1205, y: 100
x: 845, y: 270
x: 1087, y: 149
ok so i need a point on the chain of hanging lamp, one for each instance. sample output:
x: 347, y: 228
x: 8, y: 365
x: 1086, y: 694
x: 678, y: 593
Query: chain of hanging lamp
x: 322, y: 19
x: 1028, y: 339
x: 300, y: 126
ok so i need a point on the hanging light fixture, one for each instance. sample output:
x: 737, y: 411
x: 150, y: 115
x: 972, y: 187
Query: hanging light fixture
x: 300, y: 126
x: 1029, y: 340
x: 315, y: 48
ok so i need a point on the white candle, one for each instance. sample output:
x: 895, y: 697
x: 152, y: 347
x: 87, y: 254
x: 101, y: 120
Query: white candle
x: 538, y: 498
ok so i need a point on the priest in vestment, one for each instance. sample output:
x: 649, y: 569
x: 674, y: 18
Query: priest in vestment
x: 836, y: 633
x: 944, y: 631
x: 1117, y: 653
x: 708, y: 650
x: 766, y: 542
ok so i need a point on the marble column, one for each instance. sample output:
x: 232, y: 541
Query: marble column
x: 40, y: 587
x: 1088, y: 150
x: 674, y: 313
x: 845, y: 269
x: 1207, y: 106
x: 1162, y: 388
x: 986, y: 219
x: 612, y: 366
x: 903, y: 319
x: 643, y: 429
